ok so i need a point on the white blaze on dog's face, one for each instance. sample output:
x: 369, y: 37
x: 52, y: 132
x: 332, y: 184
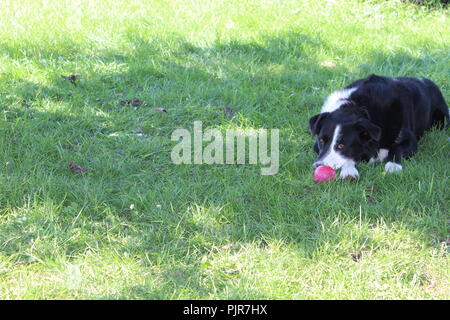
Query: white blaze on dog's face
x: 343, y: 140
x: 330, y: 154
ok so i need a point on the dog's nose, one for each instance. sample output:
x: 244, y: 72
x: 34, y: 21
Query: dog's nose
x: 317, y: 164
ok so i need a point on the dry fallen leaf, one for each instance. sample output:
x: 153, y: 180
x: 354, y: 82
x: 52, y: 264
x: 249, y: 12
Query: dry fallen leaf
x: 233, y: 271
x: 229, y: 112
x: 135, y: 102
x: 328, y: 64
x: 72, y: 78
x: 22, y: 263
x: 227, y: 246
x: 162, y: 110
x: 76, y: 168
x: 356, y: 256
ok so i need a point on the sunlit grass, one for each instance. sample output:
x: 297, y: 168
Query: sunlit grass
x: 136, y: 226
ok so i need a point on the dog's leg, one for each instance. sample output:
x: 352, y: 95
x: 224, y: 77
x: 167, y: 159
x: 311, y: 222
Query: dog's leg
x: 349, y: 171
x: 391, y: 167
x: 382, y: 154
x: 405, y: 145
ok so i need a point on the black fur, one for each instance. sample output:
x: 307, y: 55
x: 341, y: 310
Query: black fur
x: 382, y: 113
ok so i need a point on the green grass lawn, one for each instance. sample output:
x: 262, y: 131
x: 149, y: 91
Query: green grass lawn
x: 136, y: 226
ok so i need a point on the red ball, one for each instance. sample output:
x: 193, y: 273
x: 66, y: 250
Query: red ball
x: 324, y: 173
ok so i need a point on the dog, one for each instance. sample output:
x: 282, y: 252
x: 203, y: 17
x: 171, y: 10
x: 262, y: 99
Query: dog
x: 376, y: 119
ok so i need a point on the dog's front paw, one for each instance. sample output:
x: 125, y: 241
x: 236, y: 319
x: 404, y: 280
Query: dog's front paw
x: 392, y: 167
x: 349, y: 173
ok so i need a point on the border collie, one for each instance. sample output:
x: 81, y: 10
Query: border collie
x: 376, y: 119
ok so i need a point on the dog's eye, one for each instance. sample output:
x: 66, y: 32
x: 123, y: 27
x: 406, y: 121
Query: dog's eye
x: 341, y: 146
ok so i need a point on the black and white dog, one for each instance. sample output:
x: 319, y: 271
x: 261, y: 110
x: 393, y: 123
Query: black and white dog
x: 376, y: 119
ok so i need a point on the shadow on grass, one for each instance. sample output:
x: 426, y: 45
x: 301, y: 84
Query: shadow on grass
x: 133, y: 190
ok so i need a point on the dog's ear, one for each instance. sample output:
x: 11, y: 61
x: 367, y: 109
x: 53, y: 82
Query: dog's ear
x: 368, y: 130
x: 315, y: 123
x: 364, y: 112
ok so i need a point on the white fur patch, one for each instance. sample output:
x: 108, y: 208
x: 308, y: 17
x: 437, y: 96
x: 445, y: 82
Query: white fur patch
x: 336, y: 99
x: 382, y: 154
x: 349, y: 171
x: 333, y: 158
x: 392, y: 167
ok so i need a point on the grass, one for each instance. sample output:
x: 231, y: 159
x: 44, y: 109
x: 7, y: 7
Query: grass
x: 136, y: 226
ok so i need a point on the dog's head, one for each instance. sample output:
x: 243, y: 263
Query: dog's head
x: 344, y: 137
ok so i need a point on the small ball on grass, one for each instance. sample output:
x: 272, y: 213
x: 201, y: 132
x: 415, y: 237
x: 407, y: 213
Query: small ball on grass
x: 324, y: 173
